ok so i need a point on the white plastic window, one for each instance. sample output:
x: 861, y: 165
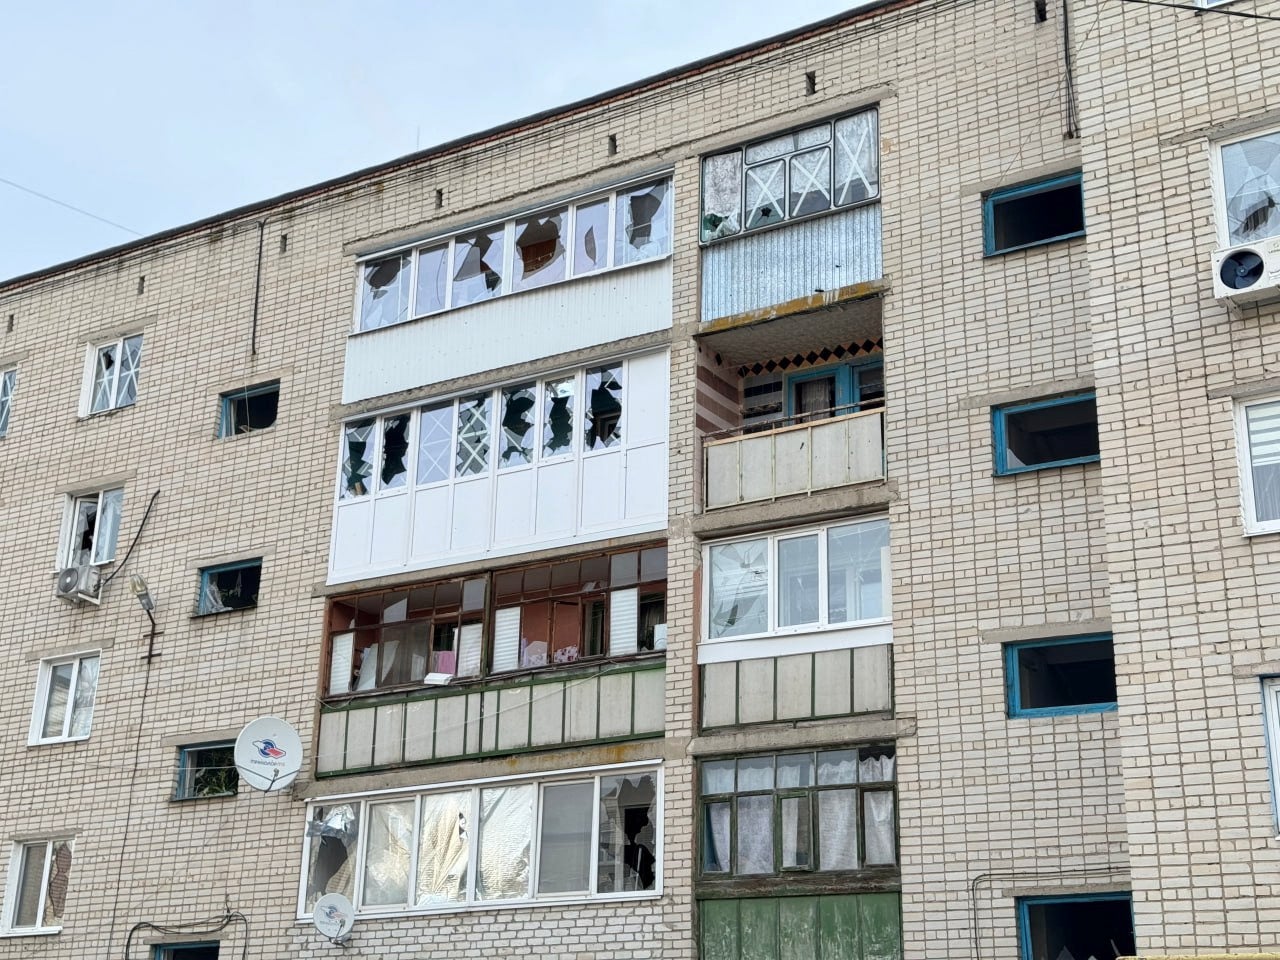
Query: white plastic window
x: 113, y: 375
x: 8, y: 378
x: 65, y: 691
x: 36, y: 891
x: 91, y: 528
x: 1258, y: 444
x: 1250, y: 202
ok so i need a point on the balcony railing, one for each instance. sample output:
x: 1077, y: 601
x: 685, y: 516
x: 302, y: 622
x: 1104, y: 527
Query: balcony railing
x: 796, y: 457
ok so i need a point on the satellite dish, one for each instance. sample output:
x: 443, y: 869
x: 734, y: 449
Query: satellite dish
x: 268, y: 754
x: 334, y: 917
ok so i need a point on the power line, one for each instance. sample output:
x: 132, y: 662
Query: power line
x: 1222, y: 10
x: 86, y: 213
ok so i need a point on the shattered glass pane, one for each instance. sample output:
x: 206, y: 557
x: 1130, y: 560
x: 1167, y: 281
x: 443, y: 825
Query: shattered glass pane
x: 443, y: 848
x: 506, y: 834
x: 626, y: 858
x: 603, y: 426
x: 357, y: 459
x: 755, y: 835
x: 877, y: 817
x: 395, y: 449
x: 384, y: 291
x: 82, y: 704
x: 104, y: 379
x: 564, y: 841
x: 517, y: 425
x: 540, y: 250
x: 721, y: 196
x: 82, y: 533
x: 643, y: 227
x: 435, y: 440
x: 1251, y: 181
x: 766, y: 194
x: 473, y: 436
x: 810, y: 182
x: 331, y: 848
x: 477, y: 265
x: 857, y: 161
x: 739, y: 588
x: 557, y: 415
x: 591, y: 237
x: 127, y: 378
x: 433, y: 277
x: 856, y: 558
x: 6, y: 398
x: 55, y: 705
x: 104, y: 538
x: 59, y: 876
x: 838, y: 830
x: 386, y: 861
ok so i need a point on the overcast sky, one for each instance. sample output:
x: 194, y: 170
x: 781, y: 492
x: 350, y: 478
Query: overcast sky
x: 154, y: 114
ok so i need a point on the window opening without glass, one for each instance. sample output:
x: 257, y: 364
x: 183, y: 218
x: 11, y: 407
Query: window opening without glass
x: 249, y: 409
x: 1096, y: 925
x: 1065, y: 675
x: 1057, y: 432
x: 65, y: 691
x: 8, y: 378
x: 230, y: 586
x: 630, y: 225
x: 207, y: 770
x: 40, y: 873
x: 1033, y: 214
x: 113, y: 374
x: 186, y: 951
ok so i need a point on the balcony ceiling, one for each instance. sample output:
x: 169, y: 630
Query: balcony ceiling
x: 852, y: 321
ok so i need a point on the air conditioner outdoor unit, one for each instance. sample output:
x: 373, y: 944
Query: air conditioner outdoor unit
x: 79, y: 584
x: 1248, y: 272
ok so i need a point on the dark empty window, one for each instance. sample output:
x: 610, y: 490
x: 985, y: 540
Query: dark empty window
x: 208, y: 770
x: 1099, y: 926
x: 1034, y: 213
x: 250, y: 408
x: 1070, y: 675
x: 232, y: 586
x: 187, y: 951
x: 1046, y: 433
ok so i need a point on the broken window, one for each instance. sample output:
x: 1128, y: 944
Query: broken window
x: 1076, y: 927
x: 444, y: 848
x: 473, y: 436
x: 1258, y: 440
x: 591, y: 237
x: 39, y: 871
x: 1251, y: 184
x: 231, y: 586
x: 205, y: 771
x: 395, y: 450
x: 1033, y: 214
x: 642, y: 229
x: 433, y: 279
x: 628, y: 848
x: 7, y: 380
x: 249, y: 409
x: 114, y: 374
x: 1046, y: 433
x: 540, y: 249
x: 186, y: 951
x: 557, y: 412
x: 384, y: 291
x: 767, y: 584
x: 477, y: 266
x: 332, y: 832
x: 357, y: 459
x: 793, y: 175
x: 1068, y: 675
x: 506, y: 841
x: 517, y: 425
x: 388, y: 851
x: 65, y: 691
x: 604, y: 411
x: 823, y: 811
x: 92, y: 529
x: 435, y: 441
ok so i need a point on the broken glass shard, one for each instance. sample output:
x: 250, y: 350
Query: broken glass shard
x: 540, y: 251
x: 395, y: 447
x: 739, y: 588
x: 1251, y: 182
x: 433, y: 276
x: 435, y: 439
x: 357, y: 460
x: 332, y: 832
x: 557, y: 412
x: 103, y: 379
x: 478, y: 266
x: 517, y: 426
x: 766, y: 194
x: 626, y: 858
x: 473, y: 436
x: 591, y: 237
x: 810, y: 182
x: 721, y: 195
x: 603, y: 428
x: 857, y: 160
x: 384, y: 294
x: 643, y: 228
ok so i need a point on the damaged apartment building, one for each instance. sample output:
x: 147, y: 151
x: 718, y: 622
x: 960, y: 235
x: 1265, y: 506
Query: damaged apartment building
x: 819, y: 502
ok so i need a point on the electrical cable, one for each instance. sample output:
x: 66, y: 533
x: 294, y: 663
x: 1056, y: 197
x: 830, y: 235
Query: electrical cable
x: 133, y: 543
x: 55, y: 200
x: 1199, y: 10
x: 196, y: 928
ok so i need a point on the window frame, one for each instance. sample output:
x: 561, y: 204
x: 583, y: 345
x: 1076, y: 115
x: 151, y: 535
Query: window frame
x: 1013, y: 691
x: 823, y: 625
x: 207, y: 572
x: 1000, y: 450
x: 1024, y: 916
x: 13, y: 885
x: 1244, y: 464
x: 1004, y: 194
x: 176, y: 951
x: 509, y: 282
x: 227, y: 402
x: 66, y: 549
x: 92, y: 353
x: 8, y: 384
x: 1218, y: 175
x: 40, y: 706
x: 183, y: 790
x: 363, y: 802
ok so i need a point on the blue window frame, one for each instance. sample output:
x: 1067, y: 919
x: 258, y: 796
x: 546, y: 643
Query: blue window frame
x: 1084, y: 925
x: 207, y: 770
x: 1045, y: 678
x: 838, y: 389
x: 1057, y: 432
x: 249, y: 409
x: 1014, y: 218
x: 186, y: 951
x: 229, y: 586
